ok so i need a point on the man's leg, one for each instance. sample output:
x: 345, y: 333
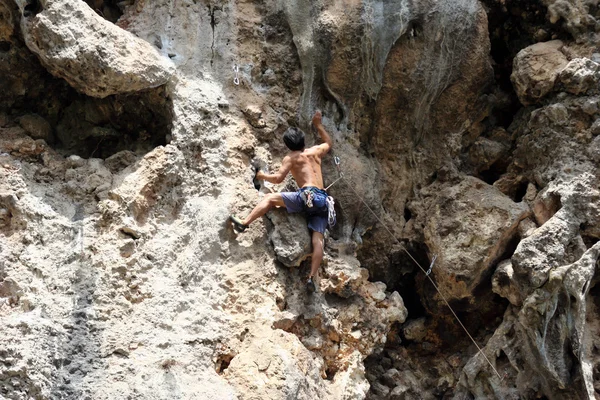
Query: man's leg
x: 317, y: 254
x: 269, y: 201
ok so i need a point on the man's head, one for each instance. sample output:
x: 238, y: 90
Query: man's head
x: 294, y: 139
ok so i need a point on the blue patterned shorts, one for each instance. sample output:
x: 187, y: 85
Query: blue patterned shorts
x: 316, y: 215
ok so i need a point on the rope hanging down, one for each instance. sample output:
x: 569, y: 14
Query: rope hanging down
x: 427, y: 273
x: 336, y: 160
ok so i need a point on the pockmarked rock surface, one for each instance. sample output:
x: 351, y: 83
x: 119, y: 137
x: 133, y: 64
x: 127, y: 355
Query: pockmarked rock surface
x: 128, y: 135
x: 91, y: 54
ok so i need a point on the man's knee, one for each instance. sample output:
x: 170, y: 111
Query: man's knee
x: 317, y: 240
x: 274, y: 199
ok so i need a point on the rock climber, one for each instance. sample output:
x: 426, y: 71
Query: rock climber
x: 311, y: 198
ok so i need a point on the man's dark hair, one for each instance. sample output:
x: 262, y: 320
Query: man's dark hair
x: 294, y: 139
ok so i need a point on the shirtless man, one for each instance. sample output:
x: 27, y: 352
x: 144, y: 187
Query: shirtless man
x: 305, y: 166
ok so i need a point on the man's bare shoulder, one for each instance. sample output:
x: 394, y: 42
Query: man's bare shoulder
x: 317, y: 149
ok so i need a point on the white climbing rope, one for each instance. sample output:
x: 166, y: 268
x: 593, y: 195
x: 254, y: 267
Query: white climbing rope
x: 336, y: 160
x: 331, y: 218
x: 427, y: 273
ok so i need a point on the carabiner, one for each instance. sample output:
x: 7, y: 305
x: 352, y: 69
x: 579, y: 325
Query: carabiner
x: 431, y: 265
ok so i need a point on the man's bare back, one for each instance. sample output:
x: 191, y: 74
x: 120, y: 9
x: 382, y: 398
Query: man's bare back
x: 304, y: 165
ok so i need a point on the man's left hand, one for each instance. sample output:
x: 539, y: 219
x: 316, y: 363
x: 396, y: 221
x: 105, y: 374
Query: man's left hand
x: 316, y: 119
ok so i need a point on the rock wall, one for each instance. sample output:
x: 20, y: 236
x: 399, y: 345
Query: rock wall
x: 128, y: 132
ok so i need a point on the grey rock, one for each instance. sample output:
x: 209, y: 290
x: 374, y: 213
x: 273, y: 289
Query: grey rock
x: 379, y: 389
x: 415, y: 329
x: 399, y: 393
x: 590, y: 106
x: 120, y: 161
x: 290, y: 238
x: 595, y: 128
x: 594, y: 149
x: 580, y: 76
x: 504, y: 283
x: 37, y: 127
x: 390, y: 377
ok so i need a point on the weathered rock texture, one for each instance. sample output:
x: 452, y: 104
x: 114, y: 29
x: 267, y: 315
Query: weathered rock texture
x: 91, y: 54
x: 467, y: 131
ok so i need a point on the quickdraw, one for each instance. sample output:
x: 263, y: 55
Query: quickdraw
x: 236, y: 79
x: 431, y: 265
x: 336, y: 160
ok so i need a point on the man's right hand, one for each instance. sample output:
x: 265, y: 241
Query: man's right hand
x: 316, y: 119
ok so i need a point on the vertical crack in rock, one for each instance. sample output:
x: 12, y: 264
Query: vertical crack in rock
x: 79, y: 355
x: 211, y: 12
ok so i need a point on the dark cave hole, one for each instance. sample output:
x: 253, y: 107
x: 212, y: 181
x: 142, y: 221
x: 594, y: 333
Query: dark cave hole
x: 415, y: 29
x: 588, y: 239
x: 412, y: 300
x: 111, y: 10
x: 373, y: 364
x: 404, y: 280
x: 485, y: 318
x: 507, y: 253
x: 594, y: 294
x: 407, y: 214
x: 223, y: 362
x: 330, y: 373
x: 32, y: 8
x: 99, y: 128
x: 520, y: 191
x: 572, y: 300
x: 494, y: 172
x: 92, y: 127
x: 502, y: 359
x: 5, y: 46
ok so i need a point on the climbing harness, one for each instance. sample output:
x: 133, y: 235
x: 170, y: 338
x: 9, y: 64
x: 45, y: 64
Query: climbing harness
x: 236, y: 79
x: 308, y: 196
x: 427, y: 273
x: 317, y: 202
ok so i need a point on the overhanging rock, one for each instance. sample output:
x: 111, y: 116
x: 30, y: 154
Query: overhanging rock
x: 93, y: 55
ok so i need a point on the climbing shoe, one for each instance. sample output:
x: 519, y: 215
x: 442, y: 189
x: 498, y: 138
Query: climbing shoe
x: 238, y: 226
x: 310, y: 286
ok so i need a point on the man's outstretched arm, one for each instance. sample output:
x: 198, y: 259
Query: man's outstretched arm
x: 280, y: 175
x: 316, y: 120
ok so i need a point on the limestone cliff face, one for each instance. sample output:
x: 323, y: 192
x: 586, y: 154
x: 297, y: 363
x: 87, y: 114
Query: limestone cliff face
x: 127, y: 134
